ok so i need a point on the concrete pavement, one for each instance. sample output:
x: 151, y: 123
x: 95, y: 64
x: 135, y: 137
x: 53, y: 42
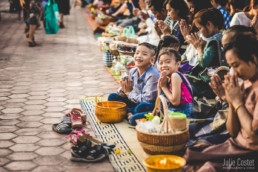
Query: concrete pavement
x: 39, y: 85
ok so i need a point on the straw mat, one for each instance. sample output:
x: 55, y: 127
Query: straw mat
x: 119, y: 133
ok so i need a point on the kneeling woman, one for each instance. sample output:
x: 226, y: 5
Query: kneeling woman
x: 242, y: 55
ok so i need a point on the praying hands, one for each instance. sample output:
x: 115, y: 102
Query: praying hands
x: 127, y: 85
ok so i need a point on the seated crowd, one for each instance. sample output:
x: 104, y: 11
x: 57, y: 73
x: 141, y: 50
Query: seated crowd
x: 183, y: 48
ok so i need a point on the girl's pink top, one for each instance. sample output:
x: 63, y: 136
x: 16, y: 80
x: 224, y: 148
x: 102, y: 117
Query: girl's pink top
x: 186, y: 96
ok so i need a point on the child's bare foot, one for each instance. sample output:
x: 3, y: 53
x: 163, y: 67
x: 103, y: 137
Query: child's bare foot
x: 129, y: 115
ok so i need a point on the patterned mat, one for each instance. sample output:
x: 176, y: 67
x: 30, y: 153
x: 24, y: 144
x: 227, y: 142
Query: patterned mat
x: 131, y: 156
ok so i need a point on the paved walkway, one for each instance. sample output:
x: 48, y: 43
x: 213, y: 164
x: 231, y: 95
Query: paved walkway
x: 39, y: 85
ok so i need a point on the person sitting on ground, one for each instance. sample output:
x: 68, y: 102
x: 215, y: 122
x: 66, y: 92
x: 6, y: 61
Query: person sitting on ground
x: 242, y: 55
x: 218, y: 4
x: 114, y: 7
x: 168, y: 41
x: 177, y: 10
x: 125, y: 10
x: 172, y: 84
x: 190, y: 56
x: 197, y: 5
x: 160, y: 14
x: 148, y: 17
x: 236, y: 6
x: 216, y: 81
x: 209, y: 22
x: 245, y: 18
x: 139, y: 89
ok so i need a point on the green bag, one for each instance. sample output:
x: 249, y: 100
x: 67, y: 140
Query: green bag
x: 52, y: 17
x: 129, y: 32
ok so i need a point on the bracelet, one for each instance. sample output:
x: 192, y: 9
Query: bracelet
x: 238, y: 106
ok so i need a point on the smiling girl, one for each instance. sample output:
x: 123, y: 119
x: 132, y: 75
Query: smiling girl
x: 173, y: 84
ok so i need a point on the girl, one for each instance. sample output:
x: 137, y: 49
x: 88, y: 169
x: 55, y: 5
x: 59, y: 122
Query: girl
x: 172, y: 84
x: 176, y: 11
x: 168, y: 41
x: 209, y: 22
x: 242, y: 55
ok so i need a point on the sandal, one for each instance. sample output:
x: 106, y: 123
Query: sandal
x: 61, y: 25
x: 32, y: 44
x: 77, y: 118
x: 64, y: 127
x: 85, y: 137
x: 73, y: 136
x: 87, y: 151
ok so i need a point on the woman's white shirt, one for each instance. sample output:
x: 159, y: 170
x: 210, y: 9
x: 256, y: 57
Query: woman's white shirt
x: 240, y: 19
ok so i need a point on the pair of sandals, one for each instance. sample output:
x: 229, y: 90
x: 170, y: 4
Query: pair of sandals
x: 88, y: 149
x: 72, y: 120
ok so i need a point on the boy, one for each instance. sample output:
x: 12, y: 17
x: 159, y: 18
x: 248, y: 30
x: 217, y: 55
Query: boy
x: 139, y: 91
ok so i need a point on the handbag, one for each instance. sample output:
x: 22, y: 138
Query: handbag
x: 52, y: 17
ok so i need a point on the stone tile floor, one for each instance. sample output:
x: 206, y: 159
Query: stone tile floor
x: 39, y: 85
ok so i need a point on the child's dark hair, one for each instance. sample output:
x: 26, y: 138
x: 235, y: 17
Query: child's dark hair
x: 237, y: 29
x: 244, y: 45
x: 158, y: 5
x: 237, y: 4
x: 180, y: 5
x: 200, y: 4
x: 221, y: 2
x: 169, y: 52
x: 166, y: 42
x: 213, y: 15
x: 149, y: 46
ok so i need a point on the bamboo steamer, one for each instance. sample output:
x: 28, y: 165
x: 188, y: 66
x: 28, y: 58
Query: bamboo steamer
x: 167, y: 143
x: 110, y: 111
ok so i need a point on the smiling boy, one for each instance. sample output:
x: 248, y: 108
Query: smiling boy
x: 139, y: 91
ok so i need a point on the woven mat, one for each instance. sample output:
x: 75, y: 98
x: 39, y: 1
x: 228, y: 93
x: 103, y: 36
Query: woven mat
x: 115, y: 76
x: 124, y: 137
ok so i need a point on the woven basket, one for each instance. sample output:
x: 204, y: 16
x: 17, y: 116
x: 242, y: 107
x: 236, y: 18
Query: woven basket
x: 110, y: 111
x: 156, y: 143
